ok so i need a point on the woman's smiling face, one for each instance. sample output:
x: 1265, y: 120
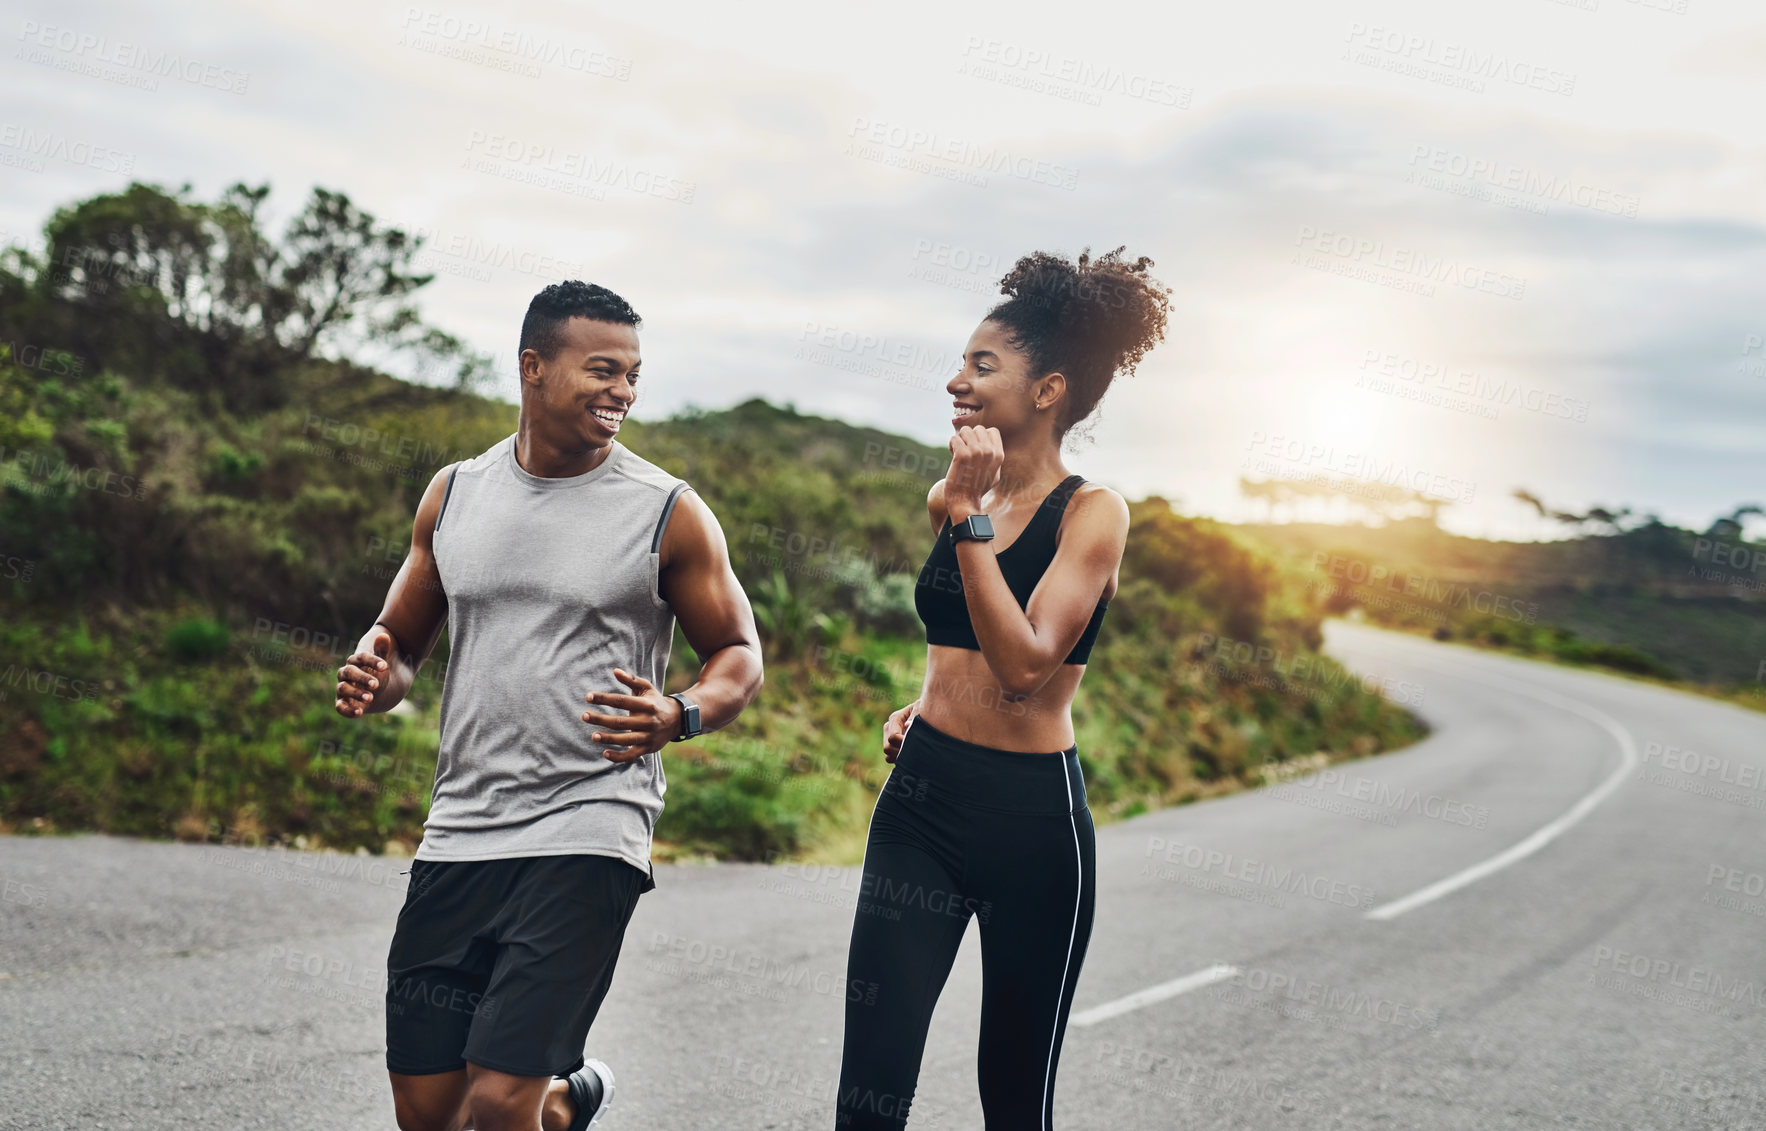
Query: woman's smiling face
x: 994, y: 388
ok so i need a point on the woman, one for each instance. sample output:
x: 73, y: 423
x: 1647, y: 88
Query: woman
x: 984, y: 814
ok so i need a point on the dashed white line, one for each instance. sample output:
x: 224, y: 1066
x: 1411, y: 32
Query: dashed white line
x: 1217, y: 973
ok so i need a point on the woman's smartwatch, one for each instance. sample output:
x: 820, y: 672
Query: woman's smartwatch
x: 689, y: 718
x: 975, y: 528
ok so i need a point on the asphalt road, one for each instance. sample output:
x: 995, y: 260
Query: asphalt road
x: 1548, y: 914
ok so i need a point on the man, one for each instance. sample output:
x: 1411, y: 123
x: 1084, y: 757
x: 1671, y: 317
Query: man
x: 563, y: 561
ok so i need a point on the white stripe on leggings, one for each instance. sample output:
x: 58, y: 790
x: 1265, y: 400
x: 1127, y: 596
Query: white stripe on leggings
x: 1048, y: 1093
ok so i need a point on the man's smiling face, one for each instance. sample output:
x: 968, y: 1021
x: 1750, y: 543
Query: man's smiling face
x: 588, y: 386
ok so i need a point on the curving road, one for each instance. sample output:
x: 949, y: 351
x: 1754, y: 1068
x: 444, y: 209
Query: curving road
x: 1548, y: 914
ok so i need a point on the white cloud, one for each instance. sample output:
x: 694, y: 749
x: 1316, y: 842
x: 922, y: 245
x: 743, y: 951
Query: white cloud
x: 1273, y: 135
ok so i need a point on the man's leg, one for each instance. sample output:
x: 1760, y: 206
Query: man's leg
x: 558, y: 934
x: 434, y: 1102
x: 443, y: 1101
x: 437, y: 969
x: 557, y: 923
x: 497, y: 1101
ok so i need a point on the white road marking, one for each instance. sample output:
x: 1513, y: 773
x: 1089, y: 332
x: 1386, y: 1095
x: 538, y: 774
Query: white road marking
x: 1540, y: 838
x: 1546, y: 834
x: 1160, y: 992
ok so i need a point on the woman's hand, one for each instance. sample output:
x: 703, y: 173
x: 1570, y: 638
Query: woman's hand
x: 976, y: 454
x: 896, y: 729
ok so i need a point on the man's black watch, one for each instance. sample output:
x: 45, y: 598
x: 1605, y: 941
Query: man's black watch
x: 975, y: 528
x: 689, y: 718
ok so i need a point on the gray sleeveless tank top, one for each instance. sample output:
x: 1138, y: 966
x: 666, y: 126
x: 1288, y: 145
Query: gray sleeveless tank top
x: 551, y: 584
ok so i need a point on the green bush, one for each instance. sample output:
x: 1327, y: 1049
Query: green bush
x: 197, y: 640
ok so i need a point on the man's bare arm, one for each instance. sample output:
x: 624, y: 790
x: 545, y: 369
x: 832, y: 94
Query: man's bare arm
x: 701, y: 588
x: 380, y: 673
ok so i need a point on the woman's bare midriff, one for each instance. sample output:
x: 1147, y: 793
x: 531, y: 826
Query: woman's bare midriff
x: 962, y: 698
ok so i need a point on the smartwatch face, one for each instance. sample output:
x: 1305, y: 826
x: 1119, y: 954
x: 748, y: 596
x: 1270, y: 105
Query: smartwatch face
x: 689, y: 717
x: 980, y: 526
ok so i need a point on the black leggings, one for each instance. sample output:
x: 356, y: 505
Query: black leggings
x: 962, y: 830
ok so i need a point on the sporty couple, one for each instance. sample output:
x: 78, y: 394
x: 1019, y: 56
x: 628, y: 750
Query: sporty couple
x: 563, y: 560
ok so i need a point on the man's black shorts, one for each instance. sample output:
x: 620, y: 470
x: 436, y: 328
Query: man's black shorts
x: 504, y: 963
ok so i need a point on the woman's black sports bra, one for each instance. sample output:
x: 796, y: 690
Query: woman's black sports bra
x: 938, y: 594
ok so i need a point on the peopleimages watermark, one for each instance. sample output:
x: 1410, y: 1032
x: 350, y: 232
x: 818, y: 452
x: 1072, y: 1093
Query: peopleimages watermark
x: 1706, y: 775
x: 356, y: 765
x: 766, y: 1087
x: 569, y: 171
x: 45, y: 359
x: 1741, y: 556
x: 347, y: 434
x: 1699, y: 1099
x: 1733, y: 889
x: 956, y: 266
x: 1256, y: 874
x: 54, y: 685
x: 38, y: 145
x: 1299, y: 668
x: 1448, y: 63
x: 14, y: 568
x: 505, y: 49
x: 856, y: 676
x: 1750, y: 365
x: 1432, y: 165
x: 239, y: 1059
x: 697, y: 954
x: 926, y: 151
x: 841, y: 558
x: 1370, y: 260
x: 121, y: 62
x: 888, y: 462
x: 1063, y: 76
x: 244, y: 849
x: 1303, y: 785
x: 464, y: 255
x: 22, y: 894
x: 895, y: 361
x: 43, y: 472
x: 1198, y: 1083
x: 1445, y: 386
x: 1668, y: 980
x: 1276, y: 450
x: 96, y: 268
x: 1446, y: 594
x: 329, y: 977
x: 1291, y: 995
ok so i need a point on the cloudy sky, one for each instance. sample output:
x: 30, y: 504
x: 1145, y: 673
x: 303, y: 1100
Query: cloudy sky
x: 1472, y: 247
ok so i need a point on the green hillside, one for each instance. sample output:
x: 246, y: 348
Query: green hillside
x: 1674, y: 605
x: 200, y: 513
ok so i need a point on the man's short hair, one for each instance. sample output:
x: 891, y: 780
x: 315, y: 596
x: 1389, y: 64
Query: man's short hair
x: 543, y: 329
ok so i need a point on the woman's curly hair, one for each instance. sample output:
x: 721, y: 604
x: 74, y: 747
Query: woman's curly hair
x: 1087, y: 320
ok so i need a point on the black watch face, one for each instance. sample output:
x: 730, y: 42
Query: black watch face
x: 980, y: 526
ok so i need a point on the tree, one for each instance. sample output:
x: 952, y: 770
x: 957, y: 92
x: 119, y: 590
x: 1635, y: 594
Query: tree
x: 1730, y: 525
x: 1613, y: 520
x: 164, y: 285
